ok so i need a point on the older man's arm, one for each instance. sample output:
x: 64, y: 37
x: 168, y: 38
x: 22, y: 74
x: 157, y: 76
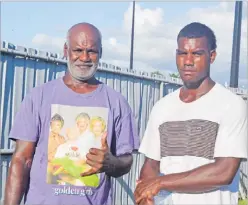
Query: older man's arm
x: 19, y: 171
x: 105, y: 161
x: 102, y: 160
x: 117, y: 166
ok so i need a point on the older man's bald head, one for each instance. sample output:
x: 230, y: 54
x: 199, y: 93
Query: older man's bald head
x: 86, y: 31
x: 84, y: 50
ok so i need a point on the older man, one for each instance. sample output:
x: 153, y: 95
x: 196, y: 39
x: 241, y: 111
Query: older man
x: 80, y: 90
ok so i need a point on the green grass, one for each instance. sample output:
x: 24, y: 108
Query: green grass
x: 243, y: 202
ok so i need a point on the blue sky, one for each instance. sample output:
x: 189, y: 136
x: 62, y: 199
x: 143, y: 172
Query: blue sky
x: 22, y: 20
x: 43, y: 25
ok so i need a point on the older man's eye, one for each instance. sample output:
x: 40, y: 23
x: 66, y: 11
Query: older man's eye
x: 93, y: 52
x: 78, y: 50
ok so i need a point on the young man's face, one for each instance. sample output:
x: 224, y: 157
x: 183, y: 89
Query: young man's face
x: 56, y: 126
x: 193, y: 59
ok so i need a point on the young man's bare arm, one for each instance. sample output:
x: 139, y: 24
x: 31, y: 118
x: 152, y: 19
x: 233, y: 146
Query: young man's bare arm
x: 205, y: 178
x: 202, y: 179
x: 19, y: 171
x: 150, y: 168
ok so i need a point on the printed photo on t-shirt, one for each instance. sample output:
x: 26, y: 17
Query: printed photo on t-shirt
x: 73, y: 131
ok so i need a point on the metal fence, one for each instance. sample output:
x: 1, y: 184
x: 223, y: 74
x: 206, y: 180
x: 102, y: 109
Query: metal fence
x: 22, y: 69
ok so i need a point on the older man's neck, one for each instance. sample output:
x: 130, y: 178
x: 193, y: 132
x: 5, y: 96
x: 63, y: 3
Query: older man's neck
x: 70, y: 81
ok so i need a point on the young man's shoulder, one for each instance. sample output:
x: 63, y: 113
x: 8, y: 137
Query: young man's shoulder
x: 229, y: 97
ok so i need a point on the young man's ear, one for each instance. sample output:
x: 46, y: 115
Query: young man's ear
x: 213, y: 55
x: 65, y: 51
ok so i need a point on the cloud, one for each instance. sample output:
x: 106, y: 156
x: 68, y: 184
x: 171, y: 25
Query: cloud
x: 155, y: 38
x: 221, y: 20
x: 49, y: 43
x: 146, y: 20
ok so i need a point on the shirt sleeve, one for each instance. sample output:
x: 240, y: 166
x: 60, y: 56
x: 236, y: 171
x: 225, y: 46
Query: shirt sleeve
x: 26, y: 122
x: 150, y: 144
x: 232, y: 135
x: 127, y: 138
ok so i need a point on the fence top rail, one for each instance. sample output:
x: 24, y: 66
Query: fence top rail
x: 17, y: 50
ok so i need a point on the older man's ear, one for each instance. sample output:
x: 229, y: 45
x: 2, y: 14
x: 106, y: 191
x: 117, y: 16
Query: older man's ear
x: 65, y: 51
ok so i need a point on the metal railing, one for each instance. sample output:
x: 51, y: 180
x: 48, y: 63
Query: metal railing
x: 24, y: 68
x: 57, y: 57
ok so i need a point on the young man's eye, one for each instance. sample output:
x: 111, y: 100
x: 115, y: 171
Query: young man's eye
x: 198, y: 53
x: 181, y: 53
x: 178, y: 52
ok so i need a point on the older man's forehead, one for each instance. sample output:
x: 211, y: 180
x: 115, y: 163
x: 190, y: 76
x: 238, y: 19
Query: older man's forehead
x: 84, y: 38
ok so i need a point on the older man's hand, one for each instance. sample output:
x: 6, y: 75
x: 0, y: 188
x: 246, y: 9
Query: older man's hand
x: 146, y: 189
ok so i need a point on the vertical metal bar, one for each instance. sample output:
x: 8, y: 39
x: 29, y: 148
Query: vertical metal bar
x: 132, y: 37
x: 236, y: 45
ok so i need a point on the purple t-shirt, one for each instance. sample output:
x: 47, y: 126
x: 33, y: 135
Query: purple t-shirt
x: 65, y: 124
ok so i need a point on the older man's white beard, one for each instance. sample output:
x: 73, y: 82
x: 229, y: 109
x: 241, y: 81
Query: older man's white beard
x: 80, y: 76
